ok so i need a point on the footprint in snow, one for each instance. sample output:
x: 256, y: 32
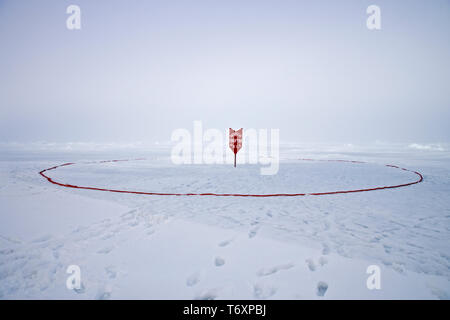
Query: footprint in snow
x: 219, y: 261
x: 104, y: 293
x: 81, y: 290
x: 207, y: 295
x: 263, y: 292
x: 268, y: 271
x: 254, y: 223
x: 111, y: 272
x: 225, y: 243
x: 253, y: 233
x: 6, y: 251
x: 311, y: 264
x: 42, y: 239
x: 133, y: 223
x: 105, y: 250
x: 193, y: 279
x: 322, y: 287
x: 128, y: 215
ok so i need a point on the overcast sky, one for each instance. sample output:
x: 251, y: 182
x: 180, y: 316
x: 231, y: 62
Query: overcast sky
x: 137, y: 70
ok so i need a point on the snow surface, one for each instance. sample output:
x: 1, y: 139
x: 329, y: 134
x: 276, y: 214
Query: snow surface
x: 169, y: 247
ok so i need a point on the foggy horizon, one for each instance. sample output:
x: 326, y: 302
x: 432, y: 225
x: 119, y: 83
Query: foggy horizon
x: 137, y: 71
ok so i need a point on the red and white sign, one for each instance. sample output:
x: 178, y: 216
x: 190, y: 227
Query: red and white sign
x: 235, y: 140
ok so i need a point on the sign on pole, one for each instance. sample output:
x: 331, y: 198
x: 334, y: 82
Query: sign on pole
x: 235, y: 142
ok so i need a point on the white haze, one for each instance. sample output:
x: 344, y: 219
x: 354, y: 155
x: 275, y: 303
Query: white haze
x: 137, y: 70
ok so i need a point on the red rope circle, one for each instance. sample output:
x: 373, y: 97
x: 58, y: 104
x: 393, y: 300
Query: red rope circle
x: 420, y: 179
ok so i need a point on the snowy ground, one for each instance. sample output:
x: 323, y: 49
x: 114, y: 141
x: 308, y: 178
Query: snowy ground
x: 168, y: 247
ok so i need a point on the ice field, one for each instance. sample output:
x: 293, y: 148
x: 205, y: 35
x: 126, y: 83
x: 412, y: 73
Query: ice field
x: 206, y: 247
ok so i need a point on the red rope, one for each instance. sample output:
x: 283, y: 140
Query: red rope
x: 420, y: 179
